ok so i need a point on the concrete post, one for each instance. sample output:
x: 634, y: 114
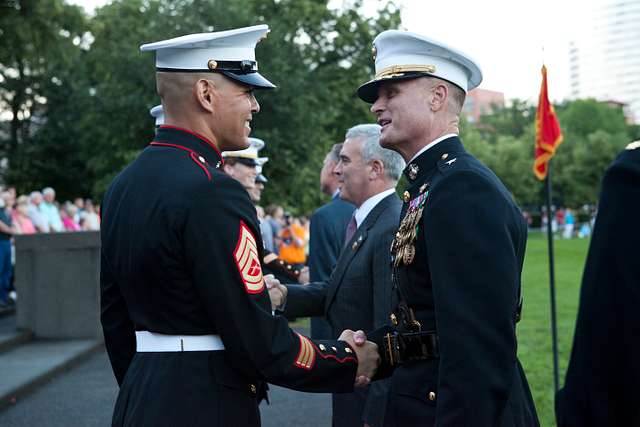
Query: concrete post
x: 57, y: 277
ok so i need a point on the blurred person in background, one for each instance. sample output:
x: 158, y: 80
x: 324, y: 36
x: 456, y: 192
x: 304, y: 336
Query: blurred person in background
x: 90, y: 220
x: 293, y: 242
x: 6, y: 268
x: 79, y: 204
x: 50, y: 210
x: 569, y: 224
x: 67, y: 213
x: 275, y: 216
x: 20, y: 217
x: 37, y: 217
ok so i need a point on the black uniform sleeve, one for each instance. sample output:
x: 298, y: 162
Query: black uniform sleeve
x: 306, y: 300
x: 223, y: 250
x: 470, y: 236
x: 119, y: 331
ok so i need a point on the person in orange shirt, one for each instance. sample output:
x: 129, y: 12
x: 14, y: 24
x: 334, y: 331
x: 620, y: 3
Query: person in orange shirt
x: 292, y: 242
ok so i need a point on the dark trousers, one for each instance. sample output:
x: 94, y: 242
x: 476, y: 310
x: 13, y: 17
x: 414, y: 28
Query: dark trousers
x: 5, y: 269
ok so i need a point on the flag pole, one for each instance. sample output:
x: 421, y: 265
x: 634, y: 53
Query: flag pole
x: 552, y: 286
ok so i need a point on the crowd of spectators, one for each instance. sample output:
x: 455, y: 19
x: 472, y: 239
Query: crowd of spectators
x: 38, y: 212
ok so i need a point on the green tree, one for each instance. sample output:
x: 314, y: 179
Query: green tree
x: 42, y: 46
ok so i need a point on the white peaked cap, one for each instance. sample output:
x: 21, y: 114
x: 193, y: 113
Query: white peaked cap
x: 251, y: 152
x: 157, y: 113
x: 402, y: 55
x: 230, y: 52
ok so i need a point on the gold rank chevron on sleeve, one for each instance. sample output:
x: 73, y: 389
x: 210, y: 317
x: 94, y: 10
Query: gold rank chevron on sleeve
x: 248, y: 261
x: 307, y: 354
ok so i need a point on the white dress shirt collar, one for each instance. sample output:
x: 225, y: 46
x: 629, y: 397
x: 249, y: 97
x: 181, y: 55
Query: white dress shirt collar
x: 368, y: 205
x: 431, y: 144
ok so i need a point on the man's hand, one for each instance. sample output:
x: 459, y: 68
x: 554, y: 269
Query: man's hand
x: 277, y: 291
x: 367, y: 353
x: 303, y: 279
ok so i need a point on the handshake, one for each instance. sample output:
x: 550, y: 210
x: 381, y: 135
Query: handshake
x: 366, y: 351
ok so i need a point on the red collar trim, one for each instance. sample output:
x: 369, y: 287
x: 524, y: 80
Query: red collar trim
x: 197, y: 135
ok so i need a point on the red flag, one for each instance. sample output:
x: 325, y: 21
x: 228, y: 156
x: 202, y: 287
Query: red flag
x: 548, y: 133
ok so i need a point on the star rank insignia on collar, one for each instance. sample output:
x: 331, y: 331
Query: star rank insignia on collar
x: 413, y: 171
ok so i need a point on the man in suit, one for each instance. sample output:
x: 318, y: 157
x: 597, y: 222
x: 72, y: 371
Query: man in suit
x: 328, y: 225
x: 458, y: 252
x: 185, y: 311
x: 358, y: 294
x: 601, y: 386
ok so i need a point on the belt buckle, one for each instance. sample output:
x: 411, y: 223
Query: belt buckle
x: 391, y: 348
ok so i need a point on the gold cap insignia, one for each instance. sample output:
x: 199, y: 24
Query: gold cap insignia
x: 212, y: 64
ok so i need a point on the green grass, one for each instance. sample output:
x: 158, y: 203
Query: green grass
x: 534, y: 331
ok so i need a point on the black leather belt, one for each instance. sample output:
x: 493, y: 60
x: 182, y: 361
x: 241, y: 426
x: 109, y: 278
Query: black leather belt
x: 409, y: 346
x: 396, y: 347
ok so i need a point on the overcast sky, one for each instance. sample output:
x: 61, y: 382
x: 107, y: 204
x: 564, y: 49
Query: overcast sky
x: 506, y: 38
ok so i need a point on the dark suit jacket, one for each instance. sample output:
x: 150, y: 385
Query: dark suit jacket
x: 601, y: 387
x: 328, y: 226
x: 358, y: 294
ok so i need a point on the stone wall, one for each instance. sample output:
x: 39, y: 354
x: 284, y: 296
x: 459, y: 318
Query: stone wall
x: 57, y: 277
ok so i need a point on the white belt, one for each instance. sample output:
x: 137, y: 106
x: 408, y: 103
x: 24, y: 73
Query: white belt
x: 153, y: 342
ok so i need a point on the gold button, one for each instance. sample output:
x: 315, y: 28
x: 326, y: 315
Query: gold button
x: 406, y: 196
x: 253, y: 389
x: 201, y: 159
x: 432, y: 396
x: 212, y: 64
x: 334, y: 349
x: 347, y: 349
x: 322, y: 347
x: 394, y: 319
x: 444, y: 156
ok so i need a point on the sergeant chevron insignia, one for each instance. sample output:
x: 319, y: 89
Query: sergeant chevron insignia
x: 247, y: 261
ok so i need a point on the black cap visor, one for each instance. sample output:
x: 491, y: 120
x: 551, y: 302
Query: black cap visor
x: 254, y: 79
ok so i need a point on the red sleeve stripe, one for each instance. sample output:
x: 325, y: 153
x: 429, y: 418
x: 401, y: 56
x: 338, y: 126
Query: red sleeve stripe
x: 336, y: 358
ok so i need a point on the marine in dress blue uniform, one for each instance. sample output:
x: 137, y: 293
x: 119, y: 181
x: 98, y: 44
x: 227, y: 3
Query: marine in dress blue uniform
x: 185, y: 311
x: 601, y: 386
x: 457, y: 255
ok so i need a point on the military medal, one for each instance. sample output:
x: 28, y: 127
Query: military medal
x: 409, y: 253
x: 402, y: 247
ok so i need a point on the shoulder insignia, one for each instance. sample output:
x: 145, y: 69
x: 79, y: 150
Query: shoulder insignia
x: 307, y: 355
x: 247, y: 261
x: 633, y: 145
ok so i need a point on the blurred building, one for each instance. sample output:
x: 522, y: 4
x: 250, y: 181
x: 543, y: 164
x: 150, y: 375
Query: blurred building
x: 605, y: 61
x: 481, y: 101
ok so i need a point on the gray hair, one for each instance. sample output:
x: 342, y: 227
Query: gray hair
x: 334, y: 154
x: 49, y: 190
x: 371, y: 149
